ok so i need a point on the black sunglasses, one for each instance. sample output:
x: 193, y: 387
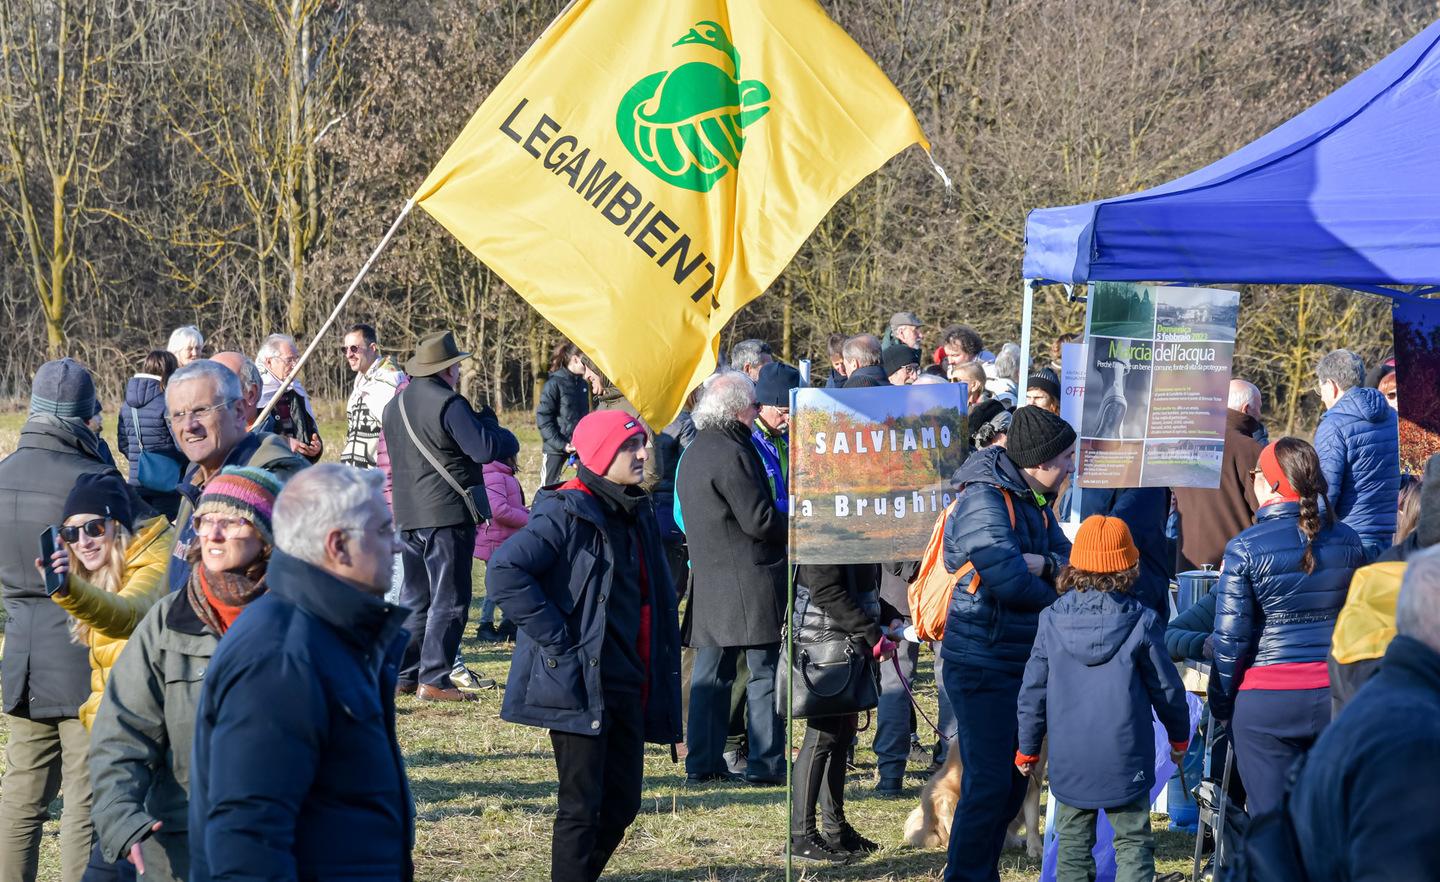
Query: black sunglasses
x: 94, y: 529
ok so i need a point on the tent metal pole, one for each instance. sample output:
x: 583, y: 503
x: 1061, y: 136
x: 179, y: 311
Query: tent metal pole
x: 1025, y: 320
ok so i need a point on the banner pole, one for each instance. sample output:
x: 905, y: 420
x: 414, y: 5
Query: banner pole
x: 789, y: 711
x: 334, y: 313
x: 1025, y: 320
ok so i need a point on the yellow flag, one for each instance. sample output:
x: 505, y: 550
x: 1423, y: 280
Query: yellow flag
x: 647, y: 169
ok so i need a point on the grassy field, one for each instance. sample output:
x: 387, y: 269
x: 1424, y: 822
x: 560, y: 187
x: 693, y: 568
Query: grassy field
x: 484, y: 789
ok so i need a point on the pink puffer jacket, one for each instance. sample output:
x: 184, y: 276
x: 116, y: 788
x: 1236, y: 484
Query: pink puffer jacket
x: 507, y: 509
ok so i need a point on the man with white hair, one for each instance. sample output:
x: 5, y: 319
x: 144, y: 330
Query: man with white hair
x: 292, y: 417
x: 1360, y: 808
x: 749, y: 356
x: 297, y: 772
x: 205, y: 407
x: 863, y: 362
x: 186, y: 344
x: 1211, y: 518
x: 736, y: 537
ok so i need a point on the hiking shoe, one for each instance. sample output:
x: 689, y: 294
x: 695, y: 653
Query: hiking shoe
x: 848, y: 840
x: 711, y: 777
x: 890, y: 788
x: 736, y: 762
x: 468, y: 679
x: 813, y: 848
x: 488, y: 634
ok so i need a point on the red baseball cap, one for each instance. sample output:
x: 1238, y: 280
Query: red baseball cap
x: 599, y: 435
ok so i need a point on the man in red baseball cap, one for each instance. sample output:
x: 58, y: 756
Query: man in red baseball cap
x: 597, y: 655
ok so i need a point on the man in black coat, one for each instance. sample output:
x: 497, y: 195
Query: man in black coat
x: 46, y: 674
x: 597, y: 658
x: 1361, y: 806
x: 737, y: 539
x: 864, y: 362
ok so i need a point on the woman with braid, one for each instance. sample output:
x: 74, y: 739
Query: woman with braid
x: 141, y: 739
x: 1282, y: 585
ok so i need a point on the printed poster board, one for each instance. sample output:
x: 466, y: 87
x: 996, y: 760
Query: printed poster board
x: 1157, y: 379
x: 870, y: 470
x: 1417, y: 374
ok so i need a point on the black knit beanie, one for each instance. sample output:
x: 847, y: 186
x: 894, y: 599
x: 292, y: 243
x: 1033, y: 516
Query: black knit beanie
x: 100, y: 495
x: 1036, y: 436
x: 1046, y: 381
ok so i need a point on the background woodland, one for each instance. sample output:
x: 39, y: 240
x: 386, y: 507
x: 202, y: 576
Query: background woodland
x: 230, y: 163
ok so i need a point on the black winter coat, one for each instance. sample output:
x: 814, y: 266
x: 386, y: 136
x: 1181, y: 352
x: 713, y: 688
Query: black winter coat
x: 552, y: 579
x: 1144, y: 510
x: 564, y: 399
x: 150, y: 433
x: 995, y: 627
x: 1268, y: 610
x: 737, y: 539
x: 297, y: 772
x: 837, y: 601
x: 46, y: 675
x: 1362, y: 809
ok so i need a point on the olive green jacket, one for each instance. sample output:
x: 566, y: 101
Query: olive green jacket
x: 141, y: 738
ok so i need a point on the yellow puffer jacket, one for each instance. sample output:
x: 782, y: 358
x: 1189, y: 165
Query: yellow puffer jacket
x: 112, y: 617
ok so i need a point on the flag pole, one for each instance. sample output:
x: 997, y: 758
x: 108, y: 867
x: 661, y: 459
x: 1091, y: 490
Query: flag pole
x: 334, y: 313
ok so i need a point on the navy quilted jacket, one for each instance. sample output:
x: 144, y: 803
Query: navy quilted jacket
x: 1268, y: 610
x: 144, y: 398
x: 995, y: 627
x: 1359, y: 445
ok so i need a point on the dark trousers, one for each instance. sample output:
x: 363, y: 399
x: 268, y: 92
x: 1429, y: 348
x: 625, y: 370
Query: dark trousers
x: 1134, y: 842
x: 945, y: 719
x: 819, y: 774
x: 553, y: 468
x: 985, y: 704
x: 101, y: 870
x: 893, y: 716
x: 1273, y: 728
x: 437, y: 593
x: 600, y: 777
x: 709, y: 718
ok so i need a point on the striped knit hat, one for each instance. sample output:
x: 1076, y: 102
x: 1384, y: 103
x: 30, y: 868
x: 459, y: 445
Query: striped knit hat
x: 63, y: 388
x: 247, y: 493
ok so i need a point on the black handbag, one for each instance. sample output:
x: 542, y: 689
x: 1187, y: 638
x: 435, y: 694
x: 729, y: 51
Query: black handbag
x: 831, y: 677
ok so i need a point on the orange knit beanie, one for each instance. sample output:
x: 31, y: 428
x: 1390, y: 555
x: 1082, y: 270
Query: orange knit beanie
x: 1103, y: 545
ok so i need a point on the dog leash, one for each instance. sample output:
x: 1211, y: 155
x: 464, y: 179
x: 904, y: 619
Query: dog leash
x: 910, y: 693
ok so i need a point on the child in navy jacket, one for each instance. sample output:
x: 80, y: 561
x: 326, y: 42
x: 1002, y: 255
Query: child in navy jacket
x: 1098, y: 666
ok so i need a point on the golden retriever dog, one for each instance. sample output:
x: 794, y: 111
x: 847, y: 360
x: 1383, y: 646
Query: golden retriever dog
x: 929, y: 824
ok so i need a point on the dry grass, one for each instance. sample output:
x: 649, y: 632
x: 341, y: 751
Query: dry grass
x: 484, y: 790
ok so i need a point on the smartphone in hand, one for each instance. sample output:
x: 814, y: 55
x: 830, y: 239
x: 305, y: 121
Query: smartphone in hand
x: 49, y: 541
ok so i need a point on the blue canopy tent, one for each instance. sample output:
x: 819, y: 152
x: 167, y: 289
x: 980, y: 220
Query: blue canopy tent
x: 1347, y: 193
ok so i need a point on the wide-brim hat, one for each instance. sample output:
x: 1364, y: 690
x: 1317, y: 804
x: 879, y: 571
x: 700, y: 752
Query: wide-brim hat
x: 434, y: 353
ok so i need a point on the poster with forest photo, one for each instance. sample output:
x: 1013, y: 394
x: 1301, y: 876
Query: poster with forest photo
x: 1417, y: 375
x: 870, y: 470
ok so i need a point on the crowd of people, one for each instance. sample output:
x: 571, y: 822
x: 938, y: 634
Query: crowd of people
x: 220, y: 635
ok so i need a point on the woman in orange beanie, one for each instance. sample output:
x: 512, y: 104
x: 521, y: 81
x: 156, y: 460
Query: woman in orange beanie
x: 1099, y: 665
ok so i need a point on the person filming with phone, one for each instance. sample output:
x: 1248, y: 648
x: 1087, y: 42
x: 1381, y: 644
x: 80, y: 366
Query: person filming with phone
x: 108, y: 570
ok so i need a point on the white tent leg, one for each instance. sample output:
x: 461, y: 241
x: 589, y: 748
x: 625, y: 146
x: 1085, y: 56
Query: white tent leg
x: 1025, y: 318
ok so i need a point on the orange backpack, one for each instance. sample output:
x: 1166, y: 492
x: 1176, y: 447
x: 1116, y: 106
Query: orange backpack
x: 930, y: 592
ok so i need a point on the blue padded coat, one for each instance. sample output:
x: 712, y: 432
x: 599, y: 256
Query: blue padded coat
x: 1359, y: 445
x: 1268, y: 609
x: 995, y: 626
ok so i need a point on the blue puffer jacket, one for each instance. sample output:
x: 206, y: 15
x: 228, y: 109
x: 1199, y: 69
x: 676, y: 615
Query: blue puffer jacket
x: 1359, y: 445
x: 1098, y: 667
x: 552, y: 579
x: 144, y: 398
x: 1269, y: 610
x: 995, y: 627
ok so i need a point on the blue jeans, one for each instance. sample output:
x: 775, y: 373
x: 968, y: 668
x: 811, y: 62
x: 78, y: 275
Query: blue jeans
x: 710, y: 684
x: 437, y: 594
x: 985, y: 704
x: 892, y: 716
x: 946, y: 718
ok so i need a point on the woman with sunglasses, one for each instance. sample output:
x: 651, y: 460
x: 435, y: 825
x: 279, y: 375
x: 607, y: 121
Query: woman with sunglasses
x: 114, y: 572
x: 140, y: 744
x: 1282, y: 585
